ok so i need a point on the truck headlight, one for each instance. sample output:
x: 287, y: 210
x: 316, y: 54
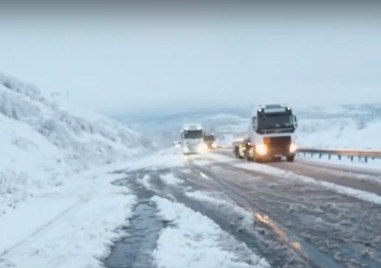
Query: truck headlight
x: 293, y: 148
x: 202, y: 148
x: 261, y: 149
x: 214, y: 145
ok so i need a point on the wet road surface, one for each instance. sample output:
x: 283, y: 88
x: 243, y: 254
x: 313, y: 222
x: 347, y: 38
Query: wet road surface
x: 295, y: 224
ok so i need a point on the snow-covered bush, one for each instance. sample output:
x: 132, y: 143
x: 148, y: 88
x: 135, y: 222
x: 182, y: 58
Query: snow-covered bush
x: 41, y: 142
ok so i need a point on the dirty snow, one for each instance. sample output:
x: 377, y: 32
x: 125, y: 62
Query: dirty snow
x: 247, y: 216
x: 170, y: 179
x: 194, y: 241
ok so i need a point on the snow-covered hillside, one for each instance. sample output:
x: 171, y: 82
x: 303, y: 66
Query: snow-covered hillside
x: 163, y: 130
x: 42, y: 144
x: 345, y: 126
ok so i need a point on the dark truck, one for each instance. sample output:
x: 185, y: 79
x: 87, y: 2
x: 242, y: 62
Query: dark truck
x: 210, y: 141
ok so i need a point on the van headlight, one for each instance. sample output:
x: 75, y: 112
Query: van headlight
x: 293, y: 148
x: 202, y: 148
x: 261, y: 149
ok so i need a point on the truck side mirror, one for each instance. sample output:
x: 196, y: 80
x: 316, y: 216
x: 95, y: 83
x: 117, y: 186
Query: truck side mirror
x: 295, y: 122
x: 254, y: 123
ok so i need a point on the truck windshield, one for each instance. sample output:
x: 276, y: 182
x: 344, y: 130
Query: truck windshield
x: 275, y: 121
x: 192, y: 134
x: 209, y: 138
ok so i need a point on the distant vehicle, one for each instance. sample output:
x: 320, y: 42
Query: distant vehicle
x: 192, y: 139
x: 270, y: 135
x: 210, y: 141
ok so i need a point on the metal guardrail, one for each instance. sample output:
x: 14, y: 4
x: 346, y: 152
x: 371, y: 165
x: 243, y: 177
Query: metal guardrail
x: 351, y: 154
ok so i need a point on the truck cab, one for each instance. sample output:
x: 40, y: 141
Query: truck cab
x: 271, y: 134
x: 210, y: 140
x: 192, y: 139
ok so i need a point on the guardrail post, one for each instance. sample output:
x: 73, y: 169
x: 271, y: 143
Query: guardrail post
x: 342, y: 154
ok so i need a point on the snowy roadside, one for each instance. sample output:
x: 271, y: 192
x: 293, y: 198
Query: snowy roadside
x: 72, y: 227
x: 43, y: 144
x: 54, y: 213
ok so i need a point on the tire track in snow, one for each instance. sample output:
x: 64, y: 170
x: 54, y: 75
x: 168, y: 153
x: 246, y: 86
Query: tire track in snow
x: 258, y: 237
x: 348, y: 227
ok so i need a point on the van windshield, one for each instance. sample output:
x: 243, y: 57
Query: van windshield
x: 192, y: 134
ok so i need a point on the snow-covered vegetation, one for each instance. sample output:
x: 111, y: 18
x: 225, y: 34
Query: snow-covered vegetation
x: 42, y: 143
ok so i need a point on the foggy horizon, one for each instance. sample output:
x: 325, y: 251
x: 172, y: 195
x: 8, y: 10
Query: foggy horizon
x: 119, y: 61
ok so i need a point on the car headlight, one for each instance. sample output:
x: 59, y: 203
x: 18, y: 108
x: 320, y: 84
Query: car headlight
x: 293, y: 148
x: 214, y: 145
x: 202, y: 148
x: 261, y: 149
x: 186, y: 150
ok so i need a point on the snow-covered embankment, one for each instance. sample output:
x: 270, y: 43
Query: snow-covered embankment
x: 50, y: 207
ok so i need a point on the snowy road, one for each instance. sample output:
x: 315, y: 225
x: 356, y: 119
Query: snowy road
x: 217, y: 211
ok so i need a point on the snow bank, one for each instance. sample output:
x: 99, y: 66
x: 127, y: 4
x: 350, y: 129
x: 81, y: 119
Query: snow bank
x: 43, y: 143
x: 73, y: 227
x: 54, y: 210
x: 168, y: 158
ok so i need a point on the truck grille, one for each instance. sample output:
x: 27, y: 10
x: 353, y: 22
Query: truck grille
x: 279, y: 145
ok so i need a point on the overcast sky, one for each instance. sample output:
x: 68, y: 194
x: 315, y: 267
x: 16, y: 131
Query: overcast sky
x: 118, y: 63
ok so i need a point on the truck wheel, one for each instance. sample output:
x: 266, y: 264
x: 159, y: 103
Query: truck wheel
x: 257, y: 159
x: 291, y: 158
x: 247, y: 154
x: 236, y: 152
